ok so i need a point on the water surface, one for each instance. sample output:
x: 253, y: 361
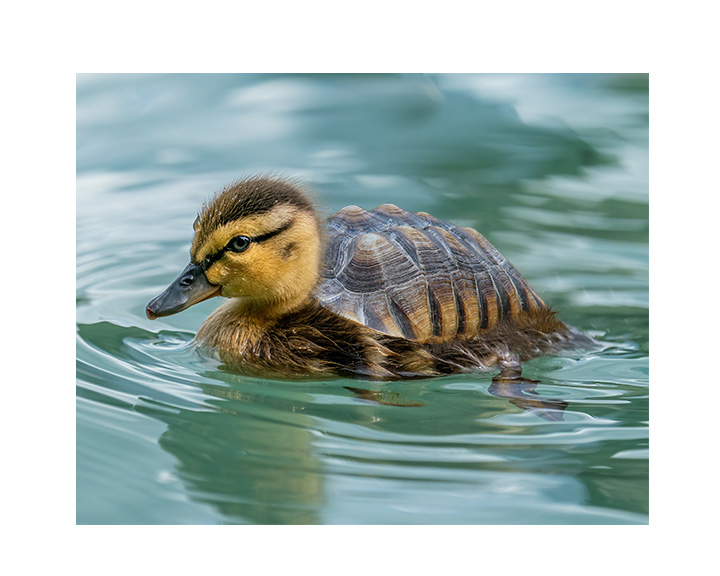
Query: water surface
x: 552, y: 169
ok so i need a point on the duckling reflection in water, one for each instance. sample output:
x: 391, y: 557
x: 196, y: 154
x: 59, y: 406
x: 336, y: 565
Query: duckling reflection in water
x: 381, y: 295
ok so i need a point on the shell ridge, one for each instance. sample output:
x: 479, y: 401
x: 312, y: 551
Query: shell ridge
x: 336, y: 256
x: 436, y: 315
x: 440, y: 263
x: 373, y: 317
x: 469, y: 316
x: 472, y: 243
x: 503, y: 291
x: 493, y: 303
x: 498, y: 292
x: 405, y: 244
x: 409, y: 297
x: 482, y: 306
x: 481, y: 259
x: 514, y: 281
x: 459, y: 307
x: 510, y: 284
x: 398, y: 217
x: 520, y: 290
x: 535, y: 297
x: 401, y: 319
x: 440, y: 241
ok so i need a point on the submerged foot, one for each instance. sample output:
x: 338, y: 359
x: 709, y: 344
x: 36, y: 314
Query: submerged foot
x: 521, y: 392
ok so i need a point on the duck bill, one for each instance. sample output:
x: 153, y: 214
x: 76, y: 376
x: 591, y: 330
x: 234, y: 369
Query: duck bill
x: 189, y: 288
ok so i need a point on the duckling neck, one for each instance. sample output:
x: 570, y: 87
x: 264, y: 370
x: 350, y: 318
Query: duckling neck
x: 266, y: 314
x: 240, y: 323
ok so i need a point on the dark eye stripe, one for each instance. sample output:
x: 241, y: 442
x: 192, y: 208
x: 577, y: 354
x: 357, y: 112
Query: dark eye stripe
x: 275, y: 232
x: 210, y: 259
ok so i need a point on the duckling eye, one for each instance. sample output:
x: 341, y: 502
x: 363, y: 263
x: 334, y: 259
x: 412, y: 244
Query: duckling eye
x: 239, y: 244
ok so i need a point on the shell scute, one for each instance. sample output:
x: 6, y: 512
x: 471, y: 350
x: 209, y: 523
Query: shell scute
x: 374, y: 305
x: 353, y: 220
x: 410, y: 304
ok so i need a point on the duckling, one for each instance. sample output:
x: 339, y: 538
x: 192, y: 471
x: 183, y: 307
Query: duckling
x: 383, y: 294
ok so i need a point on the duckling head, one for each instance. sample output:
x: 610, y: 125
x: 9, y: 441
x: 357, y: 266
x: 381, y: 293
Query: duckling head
x: 258, y: 240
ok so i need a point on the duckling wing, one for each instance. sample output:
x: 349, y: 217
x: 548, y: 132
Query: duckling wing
x: 416, y: 277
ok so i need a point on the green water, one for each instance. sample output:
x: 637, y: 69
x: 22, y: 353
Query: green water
x: 552, y: 169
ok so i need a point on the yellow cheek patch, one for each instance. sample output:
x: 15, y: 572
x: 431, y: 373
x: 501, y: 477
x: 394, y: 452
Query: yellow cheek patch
x: 251, y: 226
x: 218, y: 273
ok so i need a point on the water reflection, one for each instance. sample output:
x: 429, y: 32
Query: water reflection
x: 253, y: 456
x: 255, y: 470
x: 383, y: 397
x: 521, y: 392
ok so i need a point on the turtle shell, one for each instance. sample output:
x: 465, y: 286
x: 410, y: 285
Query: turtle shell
x: 416, y: 277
